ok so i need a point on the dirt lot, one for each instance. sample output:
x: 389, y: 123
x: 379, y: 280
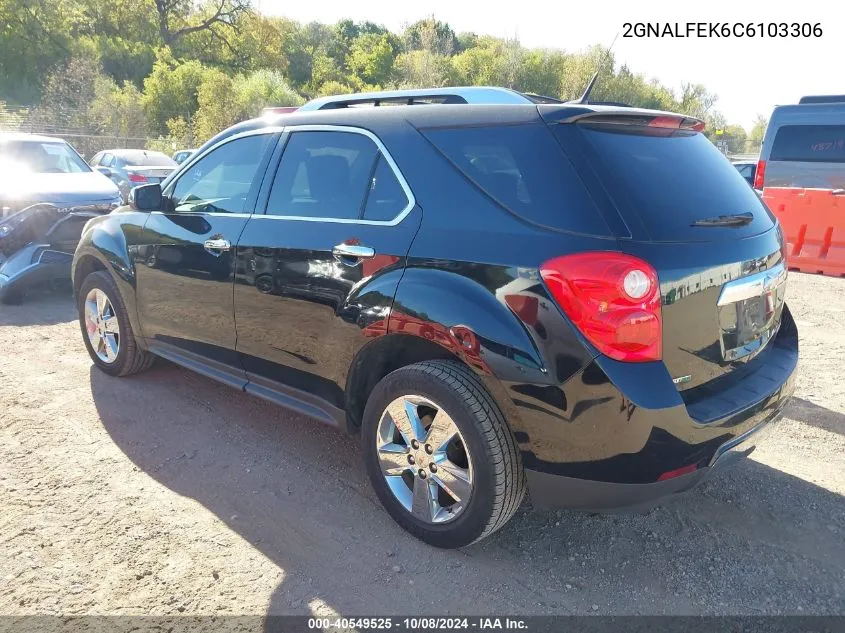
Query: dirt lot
x: 170, y: 494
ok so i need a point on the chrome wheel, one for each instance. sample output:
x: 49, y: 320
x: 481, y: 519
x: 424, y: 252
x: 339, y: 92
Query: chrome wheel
x: 102, y: 326
x: 424, y: 459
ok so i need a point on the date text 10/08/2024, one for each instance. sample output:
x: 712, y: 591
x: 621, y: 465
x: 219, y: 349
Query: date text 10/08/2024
x: 417, y: 624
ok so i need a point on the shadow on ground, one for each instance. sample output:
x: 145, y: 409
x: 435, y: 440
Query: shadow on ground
x: 754, y: 540
x: 815, y: 415
x: 41, y: 307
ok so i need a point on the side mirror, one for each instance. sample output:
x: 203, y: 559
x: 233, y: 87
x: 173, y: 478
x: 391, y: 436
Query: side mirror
x: 106, y: 171
x: 146, y: 197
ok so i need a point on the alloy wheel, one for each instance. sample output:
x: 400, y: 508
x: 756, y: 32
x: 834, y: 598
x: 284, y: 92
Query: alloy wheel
x: 102, y: 326
x: 424, y: 459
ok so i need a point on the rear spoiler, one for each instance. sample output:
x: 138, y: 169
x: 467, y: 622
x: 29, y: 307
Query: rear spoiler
x: 625, y: 116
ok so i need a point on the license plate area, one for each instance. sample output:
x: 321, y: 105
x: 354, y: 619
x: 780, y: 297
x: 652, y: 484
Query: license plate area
x: 750, y: 310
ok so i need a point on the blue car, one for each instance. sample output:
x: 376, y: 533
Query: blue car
x: 47, y: 193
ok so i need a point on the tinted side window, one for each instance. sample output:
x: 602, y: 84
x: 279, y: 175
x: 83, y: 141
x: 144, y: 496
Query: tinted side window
x: 523, y: 168
x: 810, y: 143
x: 221, y: 180
x: 106, y: 160
x: 386, y: 198
x: 323, y: 175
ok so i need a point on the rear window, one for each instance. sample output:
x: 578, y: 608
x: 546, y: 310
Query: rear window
x: 523, y: 169
x: 670, y: 179
x: 147, y: 159
x: 810, y: 144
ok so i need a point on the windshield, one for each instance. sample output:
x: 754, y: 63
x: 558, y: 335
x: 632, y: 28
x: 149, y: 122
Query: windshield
x: 147, y: 159
x: 41, y: 158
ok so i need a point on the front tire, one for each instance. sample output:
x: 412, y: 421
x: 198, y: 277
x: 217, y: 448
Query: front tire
x: 106, y: 330
x: 440, y: 455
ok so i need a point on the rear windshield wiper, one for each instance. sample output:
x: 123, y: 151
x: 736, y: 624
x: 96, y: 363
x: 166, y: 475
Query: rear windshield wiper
x: 739, y: 219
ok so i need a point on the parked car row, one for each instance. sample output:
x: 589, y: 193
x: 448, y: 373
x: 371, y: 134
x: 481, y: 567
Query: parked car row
x: 129, y: 168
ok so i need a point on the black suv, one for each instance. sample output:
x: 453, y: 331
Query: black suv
x: 585, y: 302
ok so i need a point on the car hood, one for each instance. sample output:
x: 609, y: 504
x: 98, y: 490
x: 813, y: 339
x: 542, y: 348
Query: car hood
x: 70, y: 189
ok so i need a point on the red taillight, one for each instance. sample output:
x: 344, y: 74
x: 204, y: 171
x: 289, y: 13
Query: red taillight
x: 137, y: 178
x: 614, y: 301
x: 683, y: 470
x: 760, y: 174
x: 673, y: 122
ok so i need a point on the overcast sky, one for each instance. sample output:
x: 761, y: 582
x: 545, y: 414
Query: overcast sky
x: 750, y: 76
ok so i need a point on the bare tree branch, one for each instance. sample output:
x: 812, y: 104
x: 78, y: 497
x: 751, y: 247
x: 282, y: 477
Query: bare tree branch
x: 225, y: 13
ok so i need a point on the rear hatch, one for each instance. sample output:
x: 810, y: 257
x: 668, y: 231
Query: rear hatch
x: 684, y: 209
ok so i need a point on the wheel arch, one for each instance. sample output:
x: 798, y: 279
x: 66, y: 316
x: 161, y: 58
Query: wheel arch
x: 393, y: 351
x: 103, y: 247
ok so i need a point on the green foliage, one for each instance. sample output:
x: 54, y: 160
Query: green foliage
x: 35, y: 37
x: 758, y: 131
x: 423, y: 68
x: 171, y: 90
x: 118, y: 110
x: 430, y: 35
x: 334, y: 88
x: 371, y: 58
x: 179, y: 136
x: 179, y: 71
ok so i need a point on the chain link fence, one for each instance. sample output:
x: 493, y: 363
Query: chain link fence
x: 85, y: 139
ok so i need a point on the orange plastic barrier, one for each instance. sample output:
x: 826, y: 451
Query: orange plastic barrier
x: 813, y: 222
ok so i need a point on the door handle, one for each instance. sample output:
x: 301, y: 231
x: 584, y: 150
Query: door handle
x: 839, y: 192
x: 353, y: 251
x: 217, y: 245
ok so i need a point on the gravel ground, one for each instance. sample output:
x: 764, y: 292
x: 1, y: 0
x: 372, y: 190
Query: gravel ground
x: 169, y: 494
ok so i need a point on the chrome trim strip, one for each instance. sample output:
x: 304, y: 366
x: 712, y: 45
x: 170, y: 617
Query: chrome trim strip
x: 753, y: 285
x: 315, y: 128
x: 353, y: 250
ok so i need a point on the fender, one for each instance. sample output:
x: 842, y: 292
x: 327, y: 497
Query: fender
x: 106, y: 240
x: 470, y: 318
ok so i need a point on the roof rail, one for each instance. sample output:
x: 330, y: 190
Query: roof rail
x: 460, y: 94
x: 822, y: 99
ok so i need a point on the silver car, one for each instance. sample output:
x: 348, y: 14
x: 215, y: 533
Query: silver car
x: 804, y: 146
x: 129, y: 168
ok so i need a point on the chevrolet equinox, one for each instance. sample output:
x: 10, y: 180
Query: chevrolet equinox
x: 581, y: 302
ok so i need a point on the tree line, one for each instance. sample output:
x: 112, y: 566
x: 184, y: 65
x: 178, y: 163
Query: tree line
x: 171, y: 73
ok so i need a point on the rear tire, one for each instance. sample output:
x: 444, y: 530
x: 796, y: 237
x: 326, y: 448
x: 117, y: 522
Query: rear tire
x: 117, y: 352
x: 481, y: 462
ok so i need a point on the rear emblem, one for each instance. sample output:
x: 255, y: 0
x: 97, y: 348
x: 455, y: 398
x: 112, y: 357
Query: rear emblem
x: 681, y: 379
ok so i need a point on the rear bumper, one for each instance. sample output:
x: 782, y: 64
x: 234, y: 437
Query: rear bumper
x: 549, y: 490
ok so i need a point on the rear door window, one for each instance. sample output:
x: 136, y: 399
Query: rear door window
x: 667, y: 180
x: 323, y: 174
x: 386, y: 198
x: 523, y: 169
x: 809, y: 144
